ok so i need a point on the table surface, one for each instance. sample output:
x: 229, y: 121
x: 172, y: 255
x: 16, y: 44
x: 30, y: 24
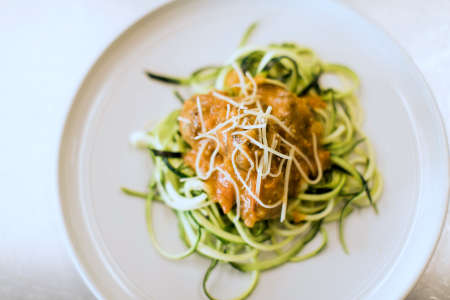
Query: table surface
x: 47, y: 48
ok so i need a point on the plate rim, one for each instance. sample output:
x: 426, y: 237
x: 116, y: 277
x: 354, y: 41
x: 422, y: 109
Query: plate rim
x: 441, y: 122
x: 68, y: 238
x: 62, y: 219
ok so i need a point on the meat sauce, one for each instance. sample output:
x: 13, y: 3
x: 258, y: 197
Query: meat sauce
x: 295, y: 112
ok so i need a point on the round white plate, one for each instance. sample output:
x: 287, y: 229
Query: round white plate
x: 106, y: 229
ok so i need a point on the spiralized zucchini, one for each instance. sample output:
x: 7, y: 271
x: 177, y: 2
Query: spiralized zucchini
x: 352, y: 182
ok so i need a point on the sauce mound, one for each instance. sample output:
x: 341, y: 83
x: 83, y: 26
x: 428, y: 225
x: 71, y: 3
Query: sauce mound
x: 254, y: 149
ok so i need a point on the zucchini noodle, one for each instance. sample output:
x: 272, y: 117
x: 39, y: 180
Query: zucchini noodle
x: 351, y: 182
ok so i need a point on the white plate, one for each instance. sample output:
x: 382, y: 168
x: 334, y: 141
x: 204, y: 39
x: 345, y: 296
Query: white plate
x: 106, y: 229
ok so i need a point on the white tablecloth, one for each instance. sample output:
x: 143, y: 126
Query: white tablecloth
x: 47, y: 46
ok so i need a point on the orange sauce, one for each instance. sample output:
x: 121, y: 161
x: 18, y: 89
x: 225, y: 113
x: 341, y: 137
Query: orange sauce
x: 295, y: 112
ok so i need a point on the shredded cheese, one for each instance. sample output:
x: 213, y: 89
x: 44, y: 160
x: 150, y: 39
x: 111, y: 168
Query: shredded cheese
x: 259, y: 126
x: 252, y: 165
x: 200, y: 173
x: 269, y: 162
x: 227, y: 99
x: 264, y: 141
x: 280, y: 168
x: 258, y: 177
x: 241, y: 77
x: 236, y: 190
x: 298, y: 151
x: 233, y: 120
x: 221, y: 125
x: 244, y: 184
x: 286, y: 186
x: 302, y: 172
x: 249, y: 172
x: 212, y: 159
x: 273, y: 118
x: 200, y: 114
x: 260, y: 145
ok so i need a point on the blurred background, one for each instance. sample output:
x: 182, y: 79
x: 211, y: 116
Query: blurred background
x: 46, y: 48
